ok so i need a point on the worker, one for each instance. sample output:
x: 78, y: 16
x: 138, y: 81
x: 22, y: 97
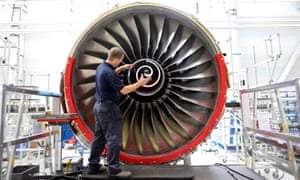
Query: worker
x: 108, y: 129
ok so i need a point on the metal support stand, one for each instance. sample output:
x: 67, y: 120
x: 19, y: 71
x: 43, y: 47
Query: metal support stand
x: 269, y: 127
x: 55, y: 121
x: 22, y: 95
x: 13, y: 148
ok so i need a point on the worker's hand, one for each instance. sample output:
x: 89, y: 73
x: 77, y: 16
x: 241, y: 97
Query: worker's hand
x: 142, y: 81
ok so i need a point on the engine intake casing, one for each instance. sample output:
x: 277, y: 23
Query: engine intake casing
x: 178, y: 108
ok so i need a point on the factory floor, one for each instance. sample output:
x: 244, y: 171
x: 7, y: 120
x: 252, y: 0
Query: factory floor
x: 206, y: 164
x: 180, y: 172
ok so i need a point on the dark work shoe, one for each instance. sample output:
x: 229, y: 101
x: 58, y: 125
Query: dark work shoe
x: 122, y: 174
x: 96, y: 169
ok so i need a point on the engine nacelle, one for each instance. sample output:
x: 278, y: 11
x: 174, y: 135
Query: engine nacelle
x: 178, y: 108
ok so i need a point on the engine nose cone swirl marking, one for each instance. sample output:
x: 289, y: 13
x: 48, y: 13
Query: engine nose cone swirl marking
x: 149, y: 69
x: 181, y: 104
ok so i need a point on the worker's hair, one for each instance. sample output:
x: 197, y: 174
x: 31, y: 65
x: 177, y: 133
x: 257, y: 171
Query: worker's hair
x: 115, y: 52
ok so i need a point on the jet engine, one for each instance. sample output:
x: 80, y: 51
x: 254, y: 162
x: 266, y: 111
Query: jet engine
x: 180, y: 106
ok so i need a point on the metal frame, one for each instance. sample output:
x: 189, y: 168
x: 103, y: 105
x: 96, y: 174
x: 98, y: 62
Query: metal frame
x: 256, y: 137
x: 5, y: 90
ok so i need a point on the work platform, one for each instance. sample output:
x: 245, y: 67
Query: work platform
x: 150, y: 172
x: 180, y: 172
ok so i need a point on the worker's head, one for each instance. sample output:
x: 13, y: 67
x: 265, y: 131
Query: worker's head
x: 115, y: 56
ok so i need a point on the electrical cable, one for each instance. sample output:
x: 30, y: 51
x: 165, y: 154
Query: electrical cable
x: 70, y: 176
x: 232, y: 175
x: 232, y: 170
x: 281, y: 176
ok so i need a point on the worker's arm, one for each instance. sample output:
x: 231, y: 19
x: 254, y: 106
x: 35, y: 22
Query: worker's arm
x: 132, y: 87
x: 123, y: 68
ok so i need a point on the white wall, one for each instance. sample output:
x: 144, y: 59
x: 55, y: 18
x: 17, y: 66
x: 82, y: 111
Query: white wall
x: 49, y: 29
x: 257, y: 23
x: 46, y: 54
